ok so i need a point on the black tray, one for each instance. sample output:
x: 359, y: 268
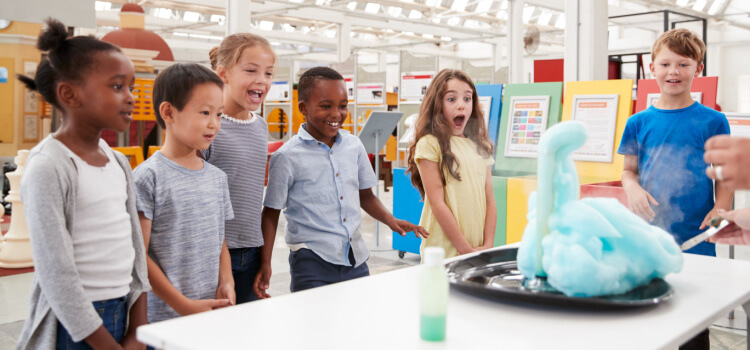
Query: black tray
x: 495, y: 274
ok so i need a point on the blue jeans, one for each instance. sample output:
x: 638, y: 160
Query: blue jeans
x: 309, y: 270
x: 245, y: 265
x: 114, y: 315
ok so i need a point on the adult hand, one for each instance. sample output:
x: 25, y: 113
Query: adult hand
x: 732, y: 154
x: 738, y: 231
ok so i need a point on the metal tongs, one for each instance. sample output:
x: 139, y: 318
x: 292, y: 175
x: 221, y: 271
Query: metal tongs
x: 716, y: 225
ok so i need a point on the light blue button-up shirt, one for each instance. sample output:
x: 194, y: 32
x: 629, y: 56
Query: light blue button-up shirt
x: 319, y: 188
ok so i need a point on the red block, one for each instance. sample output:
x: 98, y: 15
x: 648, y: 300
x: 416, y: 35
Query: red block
x: 612, y: 189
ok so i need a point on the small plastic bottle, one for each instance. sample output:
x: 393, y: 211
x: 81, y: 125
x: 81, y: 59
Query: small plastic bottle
x: 433, y: 295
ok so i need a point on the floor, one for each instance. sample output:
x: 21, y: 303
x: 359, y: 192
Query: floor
x: 14, y: 290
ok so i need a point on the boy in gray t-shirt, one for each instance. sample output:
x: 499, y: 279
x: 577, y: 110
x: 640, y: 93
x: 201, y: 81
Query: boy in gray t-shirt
x: 183, y: 201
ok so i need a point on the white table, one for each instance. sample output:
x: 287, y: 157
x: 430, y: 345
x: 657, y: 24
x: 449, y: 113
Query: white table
x: 382, y: 312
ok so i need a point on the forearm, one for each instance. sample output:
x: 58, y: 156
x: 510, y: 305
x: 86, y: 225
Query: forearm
x: 490, y: 224
x: 374, y: 207
x: 724, y: 196
x: 138, y: 316
x: 269, y: 223
x: 101, y: 339
x: 630, y: 179
x: 225, y: 266
x: 450, y: 227
x: 164, y: 289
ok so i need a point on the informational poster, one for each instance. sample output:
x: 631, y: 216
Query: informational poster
x: 413, y: 87
x: 30, y: 128
x: 739, y: 124
x: 370, y: 94
x: 350, y: 88
x: 697, y: 97
x: 485, y: 102
x: 599, y: 114
x: 527, y: 121
x: 3, y: 75
x: 30, y: 97
x: 279, y: 92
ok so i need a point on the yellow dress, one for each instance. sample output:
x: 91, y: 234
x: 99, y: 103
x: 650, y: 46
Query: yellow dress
x: 466, y: 199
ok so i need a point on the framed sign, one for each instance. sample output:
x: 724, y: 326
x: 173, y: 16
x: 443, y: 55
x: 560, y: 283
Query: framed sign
x: 279, y: 92
x: 413, y: 87
x: 485, y: 102
x: 527, y: 121
x: 599, y: 114
x: 30, y: 128
x: 370, y: 94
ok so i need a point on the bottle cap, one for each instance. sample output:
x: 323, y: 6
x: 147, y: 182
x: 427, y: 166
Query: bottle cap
x: 433, y: 256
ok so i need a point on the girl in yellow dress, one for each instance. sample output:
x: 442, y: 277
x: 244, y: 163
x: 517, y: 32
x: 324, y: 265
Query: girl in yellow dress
x: 450, y: 162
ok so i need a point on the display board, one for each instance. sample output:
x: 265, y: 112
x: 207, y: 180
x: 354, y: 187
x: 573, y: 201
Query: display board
x: 415, y: 75
x: 524, y: 165
x: 739, y: 124
x: 280, y: 92
x: 494, y: 95
x: 528, y: 121
x: 371, y: 94
x: 606, y: 170
x: 705, y: 85
x: 599, y: 114
x: 277, y: 107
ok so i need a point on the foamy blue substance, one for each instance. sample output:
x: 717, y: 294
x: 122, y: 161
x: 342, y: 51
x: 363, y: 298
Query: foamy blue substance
x: 592, y: 246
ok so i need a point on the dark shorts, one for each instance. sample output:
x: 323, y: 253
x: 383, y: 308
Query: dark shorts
x: 114, y: 315
x: 245, y: 265
x: 308, y: 270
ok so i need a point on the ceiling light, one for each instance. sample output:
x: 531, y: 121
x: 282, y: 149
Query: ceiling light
x: 470, y: 23
x: 446, y: 38
x: 218, y: 19
x: 352, y: 5
x: 502, y: 14
x: 320, y: 2
x: 682, y: 3
x: 287, y: 27
x: 431, y: 3
x: 699, y: 5
x: 428, y: 36
x: 716, y: 6
x: 372, y: 7
x: 191, y: 16
x: 102, y: 6
x: 458, y: 5
x: 394, y: 11
x: 560, y: 23
x: 528, y: 11
x: 297, y: 1
x: 454, y: 21
x: 504, y: 5
x: 483, y: 6
x: 265, y: 25
x: 414, y: 14
x: 163, y: 13
x: 544, y: 18
x: 330, y: 33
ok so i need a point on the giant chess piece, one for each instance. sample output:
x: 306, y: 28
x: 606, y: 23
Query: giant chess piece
x: 15, y: 251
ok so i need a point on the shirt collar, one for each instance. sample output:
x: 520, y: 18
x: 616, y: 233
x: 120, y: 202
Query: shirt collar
x: 305, y: 136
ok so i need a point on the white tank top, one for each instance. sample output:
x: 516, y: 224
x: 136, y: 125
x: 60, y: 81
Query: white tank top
x: 102, y: 233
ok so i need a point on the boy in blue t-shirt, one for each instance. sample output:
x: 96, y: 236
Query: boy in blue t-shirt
x: 664, y: 172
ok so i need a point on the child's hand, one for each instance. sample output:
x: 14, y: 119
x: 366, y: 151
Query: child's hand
x: 262, y: 281
x: 130, y: 343
x: 483, y: 247
x: 226, y: 291
x: 639, y: 201
x: 403, y: 226
x: 203, y: 305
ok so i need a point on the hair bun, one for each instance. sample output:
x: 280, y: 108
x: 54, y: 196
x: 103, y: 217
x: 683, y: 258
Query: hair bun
x: 213, y: 56
x: 53, y: 36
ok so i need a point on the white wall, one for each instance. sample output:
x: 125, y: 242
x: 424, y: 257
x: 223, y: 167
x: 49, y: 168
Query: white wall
x: 728, y: 61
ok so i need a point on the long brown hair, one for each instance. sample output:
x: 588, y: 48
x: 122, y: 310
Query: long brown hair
x: 230, y: 50
x: 432, y: 122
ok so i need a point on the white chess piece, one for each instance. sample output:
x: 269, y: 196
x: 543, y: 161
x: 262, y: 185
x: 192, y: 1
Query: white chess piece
x: 15, y: 251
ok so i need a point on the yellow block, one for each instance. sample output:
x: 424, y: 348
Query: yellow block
x: 613, y: 170
x: 519, y: 189
x: 134, y: 154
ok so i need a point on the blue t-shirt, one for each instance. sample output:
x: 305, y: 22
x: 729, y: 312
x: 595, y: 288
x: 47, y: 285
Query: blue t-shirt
x: 669, y: 145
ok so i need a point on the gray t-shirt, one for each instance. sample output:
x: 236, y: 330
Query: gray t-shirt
x: 187, y: 209
x: 241, y: 151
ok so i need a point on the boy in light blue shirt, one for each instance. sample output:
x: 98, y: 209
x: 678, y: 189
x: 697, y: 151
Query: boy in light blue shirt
x: 322, y: 177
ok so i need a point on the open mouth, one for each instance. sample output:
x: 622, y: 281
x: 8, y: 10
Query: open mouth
x: 256, y: 96
x: 333, y: 124
x: 127, y: 115
x: 209, y: 137
x: 458, y: 121
x: 673, y: 81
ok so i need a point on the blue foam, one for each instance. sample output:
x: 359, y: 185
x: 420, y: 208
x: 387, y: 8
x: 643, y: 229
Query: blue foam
x: 592, y: 246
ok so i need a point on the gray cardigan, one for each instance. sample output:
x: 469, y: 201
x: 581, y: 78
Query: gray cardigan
x: 48, y: 192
